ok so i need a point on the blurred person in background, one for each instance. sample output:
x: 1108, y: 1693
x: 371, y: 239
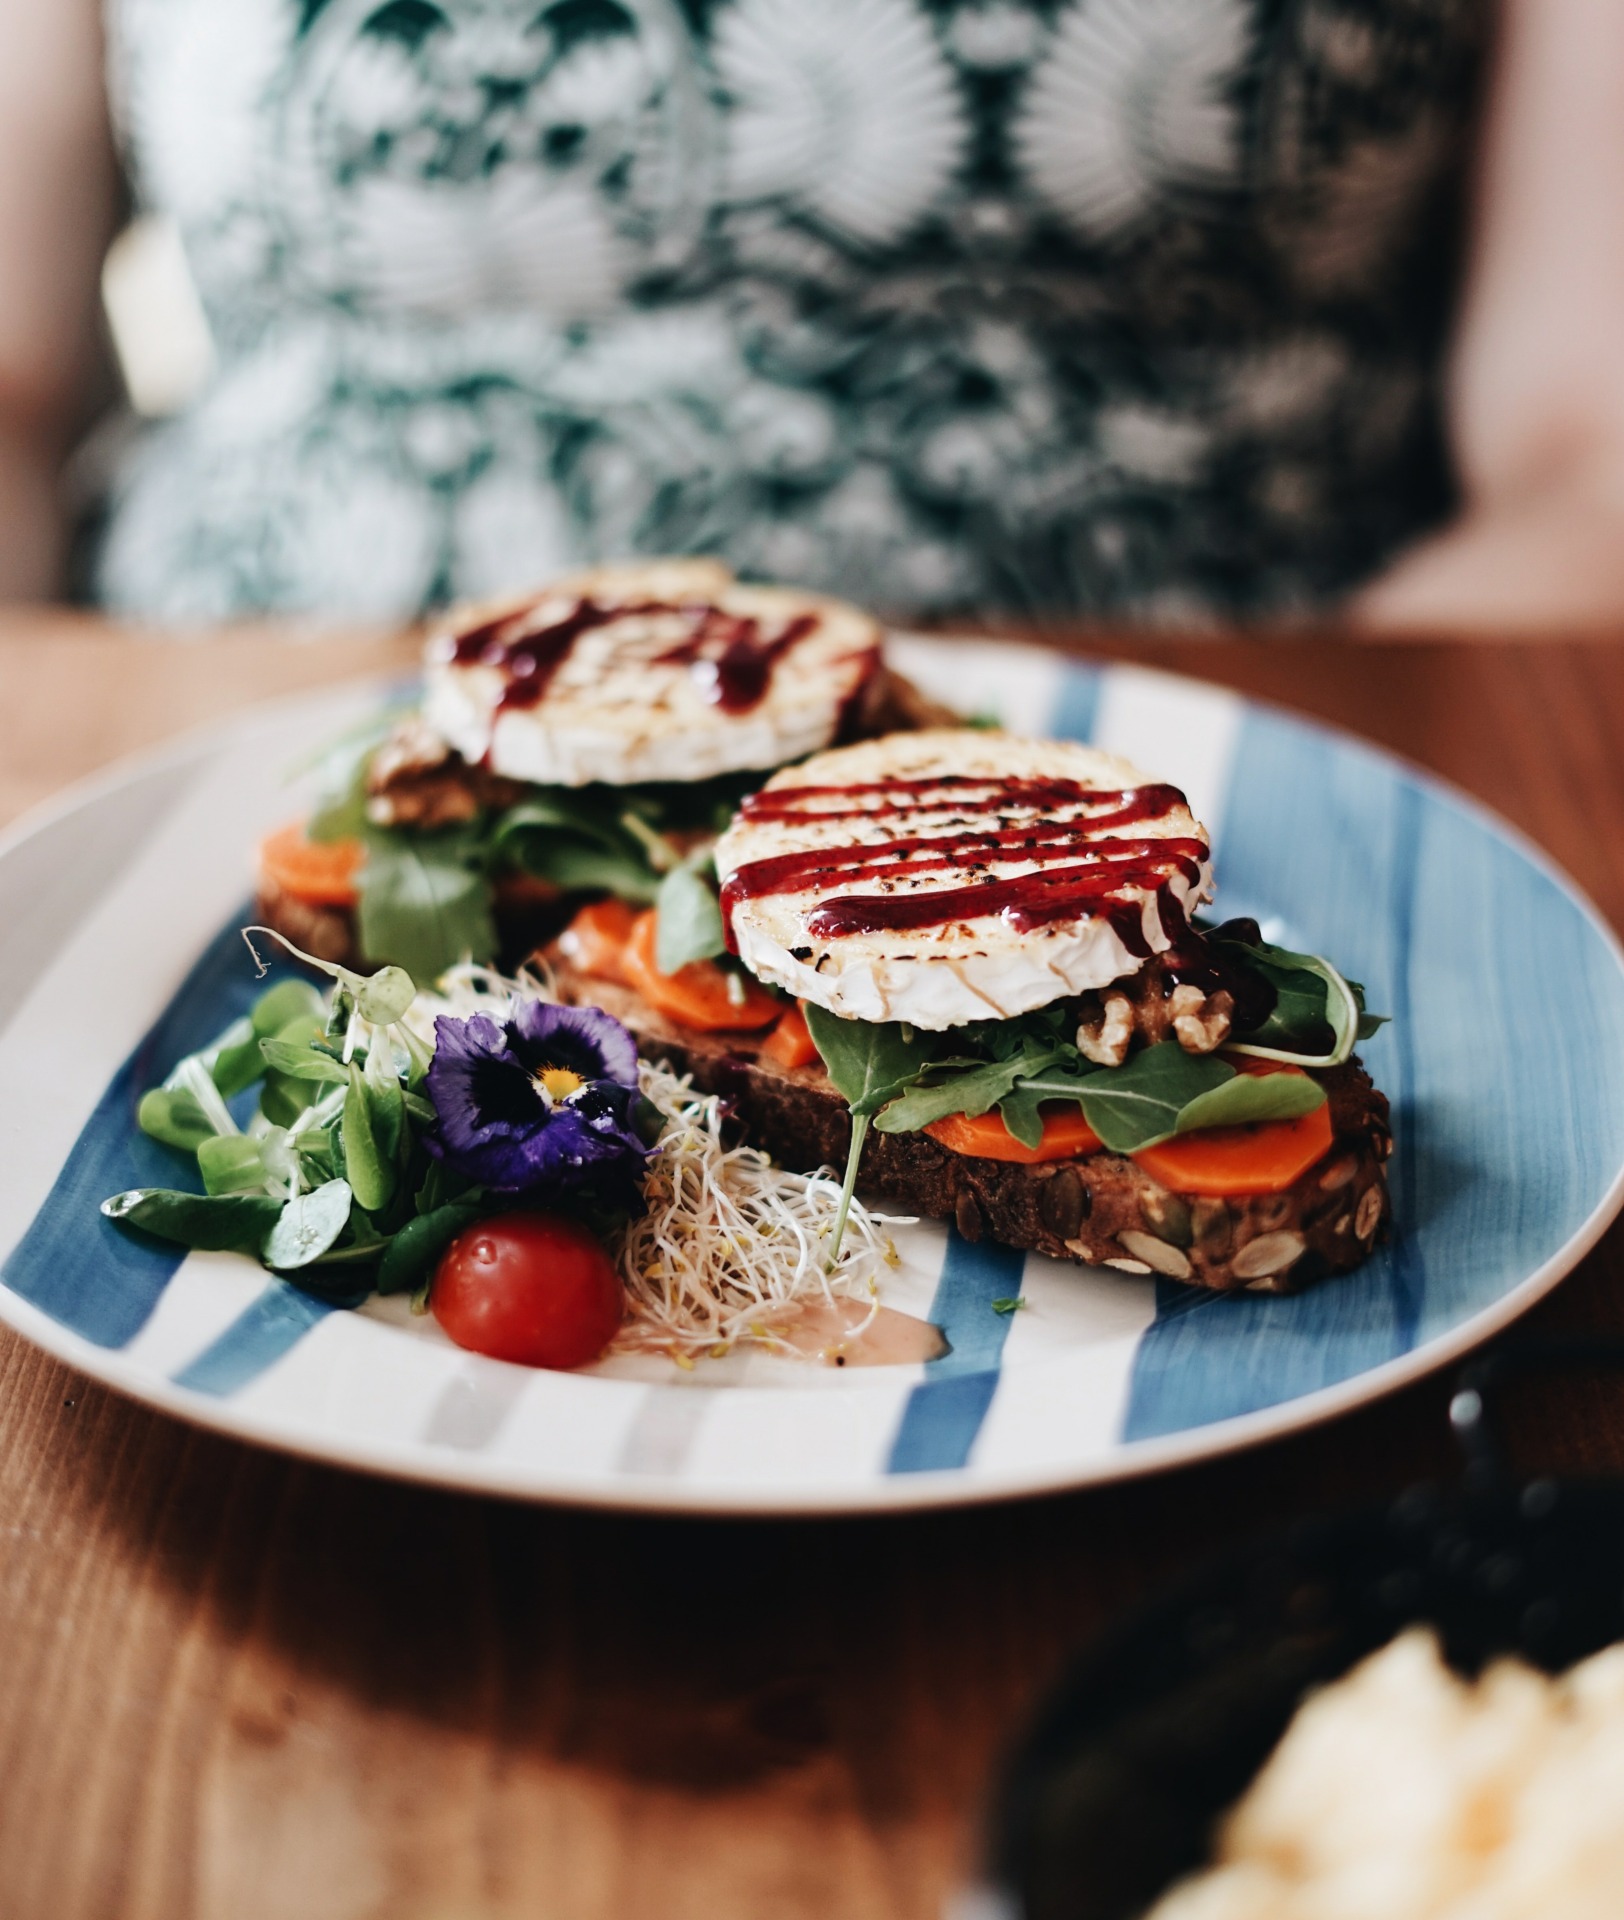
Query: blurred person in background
x: 1166, y: 310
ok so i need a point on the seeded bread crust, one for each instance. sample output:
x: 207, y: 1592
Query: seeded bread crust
x: 1103, y: 1209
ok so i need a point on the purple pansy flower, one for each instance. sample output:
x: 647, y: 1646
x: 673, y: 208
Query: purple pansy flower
x: 539, y: 1104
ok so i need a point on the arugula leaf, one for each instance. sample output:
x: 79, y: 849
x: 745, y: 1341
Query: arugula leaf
x: 1139, y: 1103
x: 1009, y: 1304
x: 1252, y: 1096
x: 577, y: 839
x: 1318, y: 1016
x: 869, y: 1063
x: 972, y: 1092
x: 688, y: 925
x: 207, y: 1223
x: 425, y: 901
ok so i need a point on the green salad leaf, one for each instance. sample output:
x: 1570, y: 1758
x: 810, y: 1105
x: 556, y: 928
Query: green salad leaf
x: 232, y: 1163
x: 581, y: 838
x: 414, y: 1252
x: 307, y: 1227
x: 869, y: 1064
x: 174, y: 1116
x: 1318, y: 1016
x: 689, y: 926
x: 968, y: 1088
x: 208, y: 1223
x: 425, y: 900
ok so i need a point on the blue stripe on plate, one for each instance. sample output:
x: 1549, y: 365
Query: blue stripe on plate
x: 1452, y: 931
x: 945, y: 1411
x: 98, y: 1280
x: 269, y: 1327
x: 1320, y: 833
x: 1078, y: 705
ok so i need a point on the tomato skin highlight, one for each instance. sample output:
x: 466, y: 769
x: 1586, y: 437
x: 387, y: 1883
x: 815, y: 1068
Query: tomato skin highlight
x: 534, y: 1288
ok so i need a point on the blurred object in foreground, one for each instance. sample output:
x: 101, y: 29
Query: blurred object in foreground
x: 159, y: 329
x: 1402, y: 1792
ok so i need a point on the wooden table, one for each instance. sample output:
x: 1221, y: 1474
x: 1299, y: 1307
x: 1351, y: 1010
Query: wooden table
x: 236, y: 1686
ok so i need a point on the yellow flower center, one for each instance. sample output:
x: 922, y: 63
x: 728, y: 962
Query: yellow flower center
x: 558, y: 1083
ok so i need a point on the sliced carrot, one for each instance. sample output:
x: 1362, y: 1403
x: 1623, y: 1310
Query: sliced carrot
x: 1066, y: 1135
x: 596, y: 940
x: 319, y: 872
x: 1266, y: 1156
x: 701, y: 995
x: 790, y: 1042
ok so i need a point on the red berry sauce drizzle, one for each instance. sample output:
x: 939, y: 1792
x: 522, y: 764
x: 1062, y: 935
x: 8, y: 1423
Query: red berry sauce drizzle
x: 726, y: 652
x: 1083, y: 864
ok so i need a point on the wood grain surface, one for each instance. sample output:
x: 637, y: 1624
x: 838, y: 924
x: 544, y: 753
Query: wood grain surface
x: 235, y: 1686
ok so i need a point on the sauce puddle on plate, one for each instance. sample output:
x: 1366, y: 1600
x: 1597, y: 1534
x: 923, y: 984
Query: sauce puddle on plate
x: 891, y: 1339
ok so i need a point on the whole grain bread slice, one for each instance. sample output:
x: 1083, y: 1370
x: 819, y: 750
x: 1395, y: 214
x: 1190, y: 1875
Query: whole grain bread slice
x: 1101, y: 1209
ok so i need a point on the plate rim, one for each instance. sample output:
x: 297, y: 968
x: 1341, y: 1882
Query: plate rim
x: 420, y: 1464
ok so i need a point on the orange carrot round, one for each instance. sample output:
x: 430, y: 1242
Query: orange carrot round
x: 1266, y: 1156
x: 1066, y: 1136
x: 596, y: 940
x: 701, y: 994
x: 320, y: 872
x: 790, y: 1042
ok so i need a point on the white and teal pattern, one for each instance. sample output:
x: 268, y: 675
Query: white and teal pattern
x: 1507, y: 997
x: 1123, y: 305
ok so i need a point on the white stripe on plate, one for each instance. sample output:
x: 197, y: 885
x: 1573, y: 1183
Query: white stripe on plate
x: 424, y: 1393
x: 124, y: 960
x: 1174, y: 729
x: 1067, y: 1366
x: 206, y: 1295
x: 762, y: 1438
x: 1019, y: 685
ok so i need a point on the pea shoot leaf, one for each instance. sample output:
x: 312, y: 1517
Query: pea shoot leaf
x: 209, y: 1223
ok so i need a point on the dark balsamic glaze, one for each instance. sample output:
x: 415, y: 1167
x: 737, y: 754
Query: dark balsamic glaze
x: 1098, y: 876
x: 725, y: 652
x: 730, y: 659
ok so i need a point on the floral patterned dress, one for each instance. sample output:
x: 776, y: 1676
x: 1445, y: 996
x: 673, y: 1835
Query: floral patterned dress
x: 1131, y: 307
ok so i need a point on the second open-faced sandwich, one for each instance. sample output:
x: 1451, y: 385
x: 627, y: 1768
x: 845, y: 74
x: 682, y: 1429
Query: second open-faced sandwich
x: 969, y: 967
x: 589, y: 738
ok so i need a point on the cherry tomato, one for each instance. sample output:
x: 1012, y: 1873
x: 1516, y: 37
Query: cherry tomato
x: 532, y: 1287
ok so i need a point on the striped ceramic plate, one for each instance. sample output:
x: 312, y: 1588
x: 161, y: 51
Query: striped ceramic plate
x: 118, y: 952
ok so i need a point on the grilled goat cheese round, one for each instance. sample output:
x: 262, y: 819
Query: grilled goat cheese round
x: 664, y: 671
x: 958, y: 875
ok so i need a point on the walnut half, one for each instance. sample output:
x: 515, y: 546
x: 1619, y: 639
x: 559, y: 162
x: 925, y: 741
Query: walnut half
x: 1104, y: 1037
x: 1201, y: 1021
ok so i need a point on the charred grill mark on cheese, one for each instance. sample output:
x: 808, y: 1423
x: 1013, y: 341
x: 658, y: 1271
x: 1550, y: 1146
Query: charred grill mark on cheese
x: 1104, y: 867
x: 726, y: 653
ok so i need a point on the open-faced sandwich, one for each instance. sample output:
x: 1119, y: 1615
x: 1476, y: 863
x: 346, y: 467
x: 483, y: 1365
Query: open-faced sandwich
x: 967, y: 966
x: 592, y: 738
